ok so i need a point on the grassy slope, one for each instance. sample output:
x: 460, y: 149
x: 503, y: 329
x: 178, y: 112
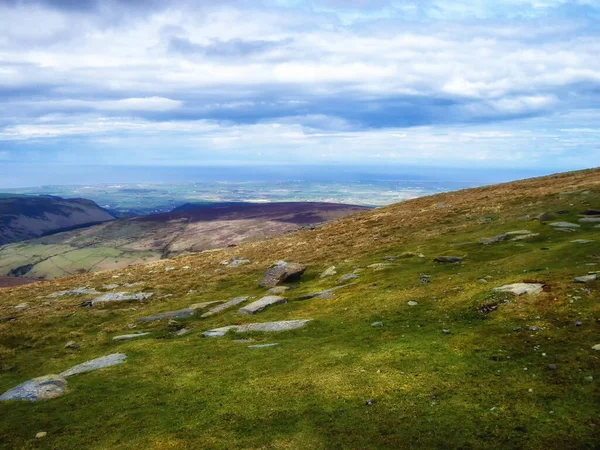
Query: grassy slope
x: 432, y: 390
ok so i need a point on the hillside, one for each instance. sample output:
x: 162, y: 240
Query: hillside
x: 27, y: 217
x: 190, y: 228
x: 419, y: 349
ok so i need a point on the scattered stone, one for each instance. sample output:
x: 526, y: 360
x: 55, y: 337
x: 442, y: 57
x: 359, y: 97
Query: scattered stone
x: 378, y: 266
x: 260, y: 305
x: 377, y: 324
x: 534, y: 328
x: 521, y: 288
x: 564, y: 225
x: 590, y: 220
x: 278, y: 290
x: 391, y: 258
x: 425, y: 278
x: 266, y: 327
x: 582, y: 241
x: 128, y: 337
x: 578, y: 324
x: 413, y: 303
x: 242, y: 341
x: 238, y: 262
x: 137, y: 283
x: 448, y: 259
x: 483, y: 280
x: 72, y: 345
x: 205, y: 305
x: 327, y: 293
x: 120, y: 297
x: 283, y: 271
x: 74, y: 292
x: 329, y: 272
x: 525, y: 236
x: 95, y: 364
x: 348, y: 277
x: 565, y: 230
x: 179, y: 314
x: 552, y: 366
x: 110, y: 287
x: 41, y: 434
x: 517, y: 329
x: 231, y: 303
x: 591, y: 212
x: 168, y: 269
x: 596, y: 347
x: 589, y: 378
x: 263, y: 345
x: 446, y: 331
x: 22, y: 306
x: 545, y: 217
x: 486, y: 220
x: 370, y: 402
x: 586, y: 278
x: 182, y: 332
x: 42, y: 388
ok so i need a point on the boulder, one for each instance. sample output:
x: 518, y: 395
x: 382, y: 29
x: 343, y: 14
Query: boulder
x: 95, y: 364
x: 265, y: 327
x: 42, y: 388
x: 564, y: 225
x: 120, y: 297
x: 448, y: 259
x: 260, y: 305
x: 128, y: 337
x: 282, y: 272
x: 230, y: 304
x: 521, y: 288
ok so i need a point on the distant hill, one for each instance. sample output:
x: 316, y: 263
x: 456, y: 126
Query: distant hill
x: 26, y: 217
x: 187, y: 229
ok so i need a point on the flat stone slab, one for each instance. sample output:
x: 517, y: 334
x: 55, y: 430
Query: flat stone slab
x: 586, y: 278
x: 121, y: 297
x: 564, y: 225
x: 128, y: 337
x: 238, y: 262
x: 590, y: 220
x: 224, y: 306
x: 42, y: 388
x: 179, y: 314
x: 448, y: 259
x: 283, y: 271
x: 263, y: 345
x: 582, y: 241
x: 521, y: 288
x: 95, y: 364
x: 329, y: 272
x: 265, y: 327
x: 278, y: 290
x: 327, y: 293
x: 205, y: 305
x: 74, y: 292
x: 110, y: 287
x: 505, y: 236
x: 260, y: 305
x: 348, y: 277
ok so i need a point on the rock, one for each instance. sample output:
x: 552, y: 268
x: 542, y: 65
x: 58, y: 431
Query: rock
x: 179, y: 314
x: 578, y: 324
x: 95, y: 364
x: 137, y: 283
x: 22, y: 306
x: 128, y: 337
x: 284, y: 271
x: 377, y: 324
x: 494, y: 240
x: 231, y: 303
x: 110, y: 287
x: 564, y: 225
x: 563, y: 211
x: 238, y: 262
x: 260, y: 305
x: 391, y: 258
x: 74, y: 292
x: 41, y: 434
x: 525, y: 236
x: 327, y: 293
x: 596, y: 347
x: 168, y: 269
x: 370, y: 402
x: 205, y: 305
x: 582, y: 241
x: 348, y: 277
x: 589, y: 378
x: 278, y: 290
x: 586, y: 278
x: 72, y: 345
x: 446, y: 331
x: 591, y: 212
x: 378, y: 266
x: 448, y: 259
x: 545, y: 217
x: 552, y: 366
x: 329, y: 272
x: 263, y: 345
x: 182, y: 332
x: 120, y: 297
x: 42, y: 388
x: 590, y: 220
x: 265, y: 327
x: 413, y: 303
x: 521, y: 288
x: 425, y: 278
x: 486, y: 220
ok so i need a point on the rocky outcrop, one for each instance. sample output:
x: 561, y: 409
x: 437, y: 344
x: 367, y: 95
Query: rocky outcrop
x: 95, y: 364
x: 282, y: 272
x: 42, y: 388
x: 265, y: 327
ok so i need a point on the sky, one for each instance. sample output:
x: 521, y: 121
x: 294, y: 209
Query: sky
x: 459, y: 83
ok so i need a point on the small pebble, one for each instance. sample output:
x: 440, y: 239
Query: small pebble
x: 377, y: 324
x: 578, y: 324
x: 552, y: 366
x: 41, y: 434
x: 370, y: 402
x: 446, y: 331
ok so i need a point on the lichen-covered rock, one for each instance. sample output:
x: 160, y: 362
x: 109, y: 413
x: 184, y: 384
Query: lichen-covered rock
x: 329, y: 272
x: 260, y: 305
x: 521, y: 288
x: 74, y: 292
x: 179, y: 314
x: 564, y: 225
x: 265, y: 327
x: 95, y: 364
x: 222, y: 307
x: 283, y: 271
x: 42, y: 388
x: 120, y: 297
x: 128, y: 337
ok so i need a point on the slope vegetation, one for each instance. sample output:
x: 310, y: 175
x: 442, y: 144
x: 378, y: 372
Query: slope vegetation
x: 416, y: 351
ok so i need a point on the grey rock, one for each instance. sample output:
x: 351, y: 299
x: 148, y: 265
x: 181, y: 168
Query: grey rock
x: 521, y: 288
x: 377, y: 324
x: 552, y: 366
x: 135, y: 284
x: 413, y: 303
x: 242, y: 341
x: 22, y: 306
x: 590, y: 220
x: 348, y: 277
x: 391, y: 258
x: 205, y: 305
x: 265, y: 327
x: 564, y: 225
x: 182, y: 332
x: 120, y: 297
x: 370, y: 402
x: 128, y: 337
x: 534, y: 328
x: 582, y: 241
x: 74, y: 292
x: 72, y: 345
x: 448, y: 259
x: 284, y: 271
x: 545, y: 217
x: 42, y: 388
x: 525, y: 236
x: 238, y: 262
x: 230, y: 304
x: 263, y: 345
x: 446, y: 331
x: 596, y: 347
x: 586, y: 278
x: 329, y: 272
x: 95, y: 364
x: 41, y: 434
x: 578, y: 324
x: 110, y: 287
x: 589, y: 378
x: 327, y: 293
x: 260, y: 305
x: 179, y: 314
x: 591, y: 212
x: 278, y: 290
x: 378, y: 266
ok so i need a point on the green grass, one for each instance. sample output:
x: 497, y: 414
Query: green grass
x: 467, y: 390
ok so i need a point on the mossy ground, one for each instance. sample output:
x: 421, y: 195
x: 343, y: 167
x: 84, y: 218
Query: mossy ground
x: 484, y: 385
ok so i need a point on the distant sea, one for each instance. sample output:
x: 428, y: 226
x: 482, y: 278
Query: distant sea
x: 145, y: 190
